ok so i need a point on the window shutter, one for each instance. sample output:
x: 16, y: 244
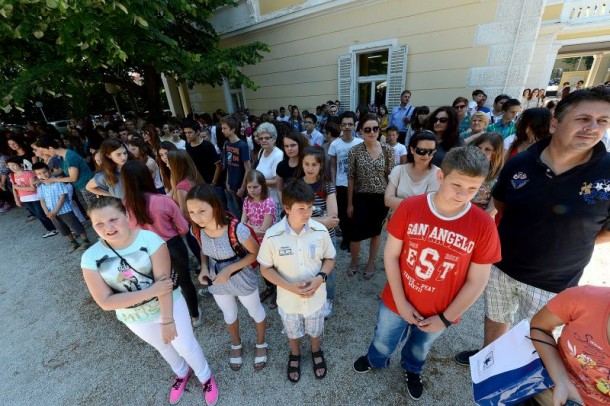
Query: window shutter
x: 397, y: 75
x: 345, y: 82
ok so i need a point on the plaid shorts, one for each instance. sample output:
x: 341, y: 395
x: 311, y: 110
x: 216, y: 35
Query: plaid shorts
x: 505, y: 297
x: 296, y: 325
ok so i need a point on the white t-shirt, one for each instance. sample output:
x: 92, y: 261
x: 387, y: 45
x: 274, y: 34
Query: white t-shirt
x: 508, y: 141
x: 399, y: 150
x: 405, y: 187
x: 340, y: 150
x: 181, y: 144
x: 267, y: 166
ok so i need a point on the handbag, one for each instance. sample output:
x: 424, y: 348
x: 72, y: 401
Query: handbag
x: 508, y: 370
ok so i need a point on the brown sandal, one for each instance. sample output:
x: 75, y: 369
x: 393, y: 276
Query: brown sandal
x: 351, y: 271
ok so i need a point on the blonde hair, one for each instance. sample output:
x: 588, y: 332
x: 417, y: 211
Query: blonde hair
x: 481, y: 115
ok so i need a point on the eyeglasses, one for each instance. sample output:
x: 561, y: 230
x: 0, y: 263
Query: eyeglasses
x: 308, y: 122
x: 424, y: 151
x: 347, y: 124
x: 460, y: 106
x: 264, y: 138
x: 440, y: 120
x: 369, y: 129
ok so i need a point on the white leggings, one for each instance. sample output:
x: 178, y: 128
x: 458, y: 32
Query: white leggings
x: 252, y: 303
x: 184, y: 350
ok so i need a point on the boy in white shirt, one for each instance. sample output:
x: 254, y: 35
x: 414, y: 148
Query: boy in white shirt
x: 400, y: 151
x: 297, y: 255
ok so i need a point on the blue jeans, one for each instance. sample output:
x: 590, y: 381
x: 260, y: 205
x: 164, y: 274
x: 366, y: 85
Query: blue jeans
x: 390, y: 330
x: 36, y: 209
x: 234, y: 203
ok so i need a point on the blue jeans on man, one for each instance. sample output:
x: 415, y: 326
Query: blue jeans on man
x: 391, y: 329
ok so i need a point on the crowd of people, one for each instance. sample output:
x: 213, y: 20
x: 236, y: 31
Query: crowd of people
x: 507, y: 201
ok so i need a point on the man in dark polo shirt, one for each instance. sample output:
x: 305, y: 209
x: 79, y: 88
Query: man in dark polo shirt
x: 202, y: 152
x: 554, y: 200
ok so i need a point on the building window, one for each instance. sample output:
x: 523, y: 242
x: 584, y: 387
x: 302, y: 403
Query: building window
x: 372, y: 74
x: 234, y: 96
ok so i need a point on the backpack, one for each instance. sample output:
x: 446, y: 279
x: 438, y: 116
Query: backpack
x: 239, y: 250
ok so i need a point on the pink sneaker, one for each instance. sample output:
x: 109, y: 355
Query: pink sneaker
x: 175, y: 393
x: 210, y: 391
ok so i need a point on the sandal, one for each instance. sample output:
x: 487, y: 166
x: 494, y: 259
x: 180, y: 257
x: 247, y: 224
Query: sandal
x: 320, y: 365
x: 368, y: 275
x: 262, y: 360
x: 352, y: 271
x: 235, y: 362
x: 291, y: 369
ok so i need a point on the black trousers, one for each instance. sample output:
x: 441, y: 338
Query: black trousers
x: 180, y: 263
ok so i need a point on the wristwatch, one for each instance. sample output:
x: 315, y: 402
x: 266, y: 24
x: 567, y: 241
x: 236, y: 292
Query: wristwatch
x: 323, y: 275
x: 446, y: 322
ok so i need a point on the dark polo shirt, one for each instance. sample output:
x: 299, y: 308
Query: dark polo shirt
x: 550, y: 222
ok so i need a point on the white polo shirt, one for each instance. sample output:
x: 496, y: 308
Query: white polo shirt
x: 297, y: 257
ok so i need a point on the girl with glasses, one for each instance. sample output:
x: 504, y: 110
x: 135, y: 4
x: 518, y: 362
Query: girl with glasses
x: 444, y: 123
x: 418, y: 176
x: 369, y: 165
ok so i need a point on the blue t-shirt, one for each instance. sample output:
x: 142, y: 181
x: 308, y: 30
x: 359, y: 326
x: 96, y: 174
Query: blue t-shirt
x: 73, y: 160
x: 234, y: 155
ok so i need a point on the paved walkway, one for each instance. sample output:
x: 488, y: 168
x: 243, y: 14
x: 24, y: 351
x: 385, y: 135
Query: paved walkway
x: 59, y: 347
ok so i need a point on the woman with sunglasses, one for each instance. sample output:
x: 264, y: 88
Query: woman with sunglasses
x: 460, y: 105
x: 445, y: 124
x: 418, y: 176
x: 369, y: 165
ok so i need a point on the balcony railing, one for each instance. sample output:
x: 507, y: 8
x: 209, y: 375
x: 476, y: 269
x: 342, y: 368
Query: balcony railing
x: 586, y: 11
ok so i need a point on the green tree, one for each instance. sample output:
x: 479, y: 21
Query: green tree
x: 59, y: 46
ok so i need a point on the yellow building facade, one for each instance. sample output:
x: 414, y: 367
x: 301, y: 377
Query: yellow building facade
x: 368, y: 51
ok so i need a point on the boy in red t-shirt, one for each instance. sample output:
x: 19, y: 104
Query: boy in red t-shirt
x: 437, y: 257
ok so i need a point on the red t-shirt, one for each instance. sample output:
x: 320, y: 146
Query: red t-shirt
x: 583, y: 344
x: 437, y: 252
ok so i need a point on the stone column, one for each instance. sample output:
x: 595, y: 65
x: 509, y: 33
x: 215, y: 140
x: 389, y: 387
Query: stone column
x: 599, y: 69
x: 173, y: 96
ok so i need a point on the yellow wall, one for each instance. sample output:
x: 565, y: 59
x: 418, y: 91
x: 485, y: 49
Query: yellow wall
x: 302, y: 65
x: 269, y: 6
x: 583, y: 34
x: 552, y: 12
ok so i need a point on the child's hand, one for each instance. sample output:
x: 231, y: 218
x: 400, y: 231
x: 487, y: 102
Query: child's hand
x: 223, y: 277
x: 51, y: 216
x: 168, y: 332
x: 49, y: 181
x: 333, y: 222
x: 308, y: 288
x: 161, y: 286
x: 432, y: 324
x: 203, y: 277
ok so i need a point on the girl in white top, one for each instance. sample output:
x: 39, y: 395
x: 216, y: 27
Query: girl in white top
x: 418, y: 175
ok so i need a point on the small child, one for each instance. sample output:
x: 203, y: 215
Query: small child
x: 24, y: 191
x: 57, y: 205
x: 438, y: 258
x: 260, y: 213
x: 400, y: 151
x: 297, y: 255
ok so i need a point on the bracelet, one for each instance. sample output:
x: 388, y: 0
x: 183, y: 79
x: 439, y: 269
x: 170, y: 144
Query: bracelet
x: 446, y: 322
x: 168, y: 323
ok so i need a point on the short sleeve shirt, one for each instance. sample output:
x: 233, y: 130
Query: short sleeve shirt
x: 256, y: 211
x: 437, y: 252
x: 340, y: 149
x: 205, y: 158
x: 370, y: 175
x: 550, y: 222
x: 115, y: 190
x: 406, y: 187
x: 297, y: 257
x: 133, y: 274
x: 25, y: 179
x: 73, y: 160
x: 51, y: 194
x: 583, y: 345
x: 234, y: 156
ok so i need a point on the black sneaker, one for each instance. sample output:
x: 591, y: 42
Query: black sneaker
x: 415, y: 387
x: 361, y: 365
x: 462, y: 357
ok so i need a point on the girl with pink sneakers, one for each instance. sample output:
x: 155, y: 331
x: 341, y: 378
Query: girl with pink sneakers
x: 129, y: 271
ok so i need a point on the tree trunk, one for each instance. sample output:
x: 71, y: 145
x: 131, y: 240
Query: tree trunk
x: 152, y: 84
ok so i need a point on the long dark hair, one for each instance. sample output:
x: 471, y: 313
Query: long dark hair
x: 318, y: 154
x: 206, y: 193
x: 415, y: 125
x: 137, y: 181
x: 538, y: 120
x: 423, y: 135
x: 452, y: 135
x: 108, y: 166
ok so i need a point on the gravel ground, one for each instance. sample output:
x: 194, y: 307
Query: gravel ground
x: 59, y: 347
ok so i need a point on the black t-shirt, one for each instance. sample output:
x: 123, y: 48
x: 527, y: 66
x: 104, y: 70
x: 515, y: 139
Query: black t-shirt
x: 550, y: 222
x: 205, y: 157
x: 284, y: 170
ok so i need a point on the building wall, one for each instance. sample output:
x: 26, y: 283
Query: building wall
x: 302, y: 65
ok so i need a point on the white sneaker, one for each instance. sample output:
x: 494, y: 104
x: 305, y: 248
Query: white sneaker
x: 49, y: 234
x: 328, y: 308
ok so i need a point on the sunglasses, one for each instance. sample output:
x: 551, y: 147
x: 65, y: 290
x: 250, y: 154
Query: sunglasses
x: 369, y: 129
x: 424, y: 151
x: 459, y: 107
x: 440, y: 120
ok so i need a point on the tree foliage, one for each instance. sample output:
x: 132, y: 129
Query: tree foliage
x: 55, y: 46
